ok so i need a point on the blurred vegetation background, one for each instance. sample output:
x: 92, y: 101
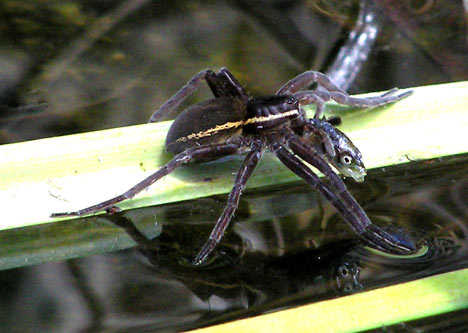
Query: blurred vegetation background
x: 74, y: 66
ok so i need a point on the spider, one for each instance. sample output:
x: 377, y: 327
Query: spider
x: 235, y: 123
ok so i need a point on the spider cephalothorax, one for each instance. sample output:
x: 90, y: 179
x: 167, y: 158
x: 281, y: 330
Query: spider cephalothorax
x: 235, y: 123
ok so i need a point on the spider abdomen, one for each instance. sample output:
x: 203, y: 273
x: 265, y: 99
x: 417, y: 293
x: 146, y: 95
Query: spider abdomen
x: 209, y: 122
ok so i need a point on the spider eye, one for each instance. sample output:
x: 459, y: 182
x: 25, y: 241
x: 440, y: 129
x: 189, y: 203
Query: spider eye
x: 346, y: 159
x: 291, y: 100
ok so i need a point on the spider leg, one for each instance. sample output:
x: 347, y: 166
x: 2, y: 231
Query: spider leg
x: 309, y: 97
x: 190, y: 155
x: 300, y: 169
x: 320, y: 95
x: 372, y: 234
x: 370, y: 102
x: 228, y: 85
x: 327, y: 90
x: 222, y: 84
x: 181, y: 95
x: 304, y: 80
x: 246, y: 169
x: 359, y: 222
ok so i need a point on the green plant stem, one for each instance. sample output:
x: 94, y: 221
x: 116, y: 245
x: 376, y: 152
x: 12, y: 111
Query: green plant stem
x: 67, y: 173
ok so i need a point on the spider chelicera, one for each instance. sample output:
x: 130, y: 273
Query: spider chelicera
x: 235, y: 123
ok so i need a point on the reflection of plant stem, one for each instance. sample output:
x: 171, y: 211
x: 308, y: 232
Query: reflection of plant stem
x: 353, y: 54
x: 120, y: 220
x: 96, y: 31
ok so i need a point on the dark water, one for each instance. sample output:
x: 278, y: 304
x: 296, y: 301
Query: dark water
x: 287, y: 247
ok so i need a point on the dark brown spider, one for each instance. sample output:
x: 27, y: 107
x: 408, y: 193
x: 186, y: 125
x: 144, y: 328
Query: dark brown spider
x: 235, y: 123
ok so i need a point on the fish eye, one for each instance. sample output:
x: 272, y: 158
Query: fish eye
x: 346, y: 159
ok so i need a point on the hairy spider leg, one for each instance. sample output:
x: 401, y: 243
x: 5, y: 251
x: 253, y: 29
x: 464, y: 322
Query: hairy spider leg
x: 326, y: 91
x: 222, y: 84
x: 306, y: 79
x: 308, y: 97
x: 190, y: 155
x: 320, y: 95
x: 243, y: 175
x: 369, y: 102
x: 361, y: 224
x: 181, y: 95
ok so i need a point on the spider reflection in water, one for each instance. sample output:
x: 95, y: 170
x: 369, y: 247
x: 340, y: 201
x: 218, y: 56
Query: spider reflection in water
x: 235, y: 123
